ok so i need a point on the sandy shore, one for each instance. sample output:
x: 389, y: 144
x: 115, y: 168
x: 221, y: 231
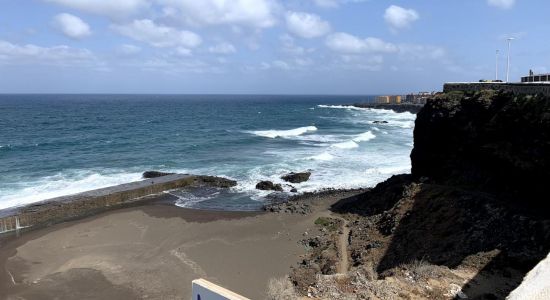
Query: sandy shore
x: 154, y: 251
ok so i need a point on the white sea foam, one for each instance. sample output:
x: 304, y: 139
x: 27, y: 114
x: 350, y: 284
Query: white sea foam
x: 346, y: 145
x: 284, y: 133
x: 188, y: 199
x: 349, y: 107
x: 325, y: 156
x: 364, y: 137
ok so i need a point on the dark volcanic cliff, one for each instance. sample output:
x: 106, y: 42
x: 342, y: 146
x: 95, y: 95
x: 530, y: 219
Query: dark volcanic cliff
x: 495, y: 142
x: 473, y: 216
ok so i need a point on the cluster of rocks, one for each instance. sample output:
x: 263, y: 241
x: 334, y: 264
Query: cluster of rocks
x: 322, y: 255
x: 399, y: 108
x: 292, y: 177
x: 292, y: 207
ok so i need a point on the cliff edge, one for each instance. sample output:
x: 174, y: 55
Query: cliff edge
x: 489, y: 141
x: 470, y: 221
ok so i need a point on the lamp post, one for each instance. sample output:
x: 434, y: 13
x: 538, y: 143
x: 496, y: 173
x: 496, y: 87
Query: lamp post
x: 508, y: 63
x: 496, y: 67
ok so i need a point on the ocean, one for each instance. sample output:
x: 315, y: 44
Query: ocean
x: 55, y: 145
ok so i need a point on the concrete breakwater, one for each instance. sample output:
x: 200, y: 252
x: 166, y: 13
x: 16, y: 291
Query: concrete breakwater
x: 64, y: 208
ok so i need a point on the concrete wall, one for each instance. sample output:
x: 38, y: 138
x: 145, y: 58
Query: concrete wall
x: 70, y: 207
x: 535, y: 285
x: 206, y: 290
x: 516, y: 88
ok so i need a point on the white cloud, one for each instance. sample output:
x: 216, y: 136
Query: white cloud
x: 414, y: 52
x: 334, y: 3
x: 72, y: 26
x: 127, y: 49
x: 223, y: 48
x: 147, y: 31
x: 360, y: 62
x: 288, y: 46
x: 306, y: 25
x: 279, y: 64
x: 111, y: 8
x: 504, y: 4
x: 253, y: 13
x: 175, y: 65
x: 181, y: 51
x: 398, y: 17
x: 60, y: 55
x: 347, y: 43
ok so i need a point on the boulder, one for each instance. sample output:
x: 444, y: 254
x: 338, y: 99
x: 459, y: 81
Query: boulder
x: 379, y: 122
x: 296, y: 177
x: 269, y: 186
x: 155, y: 174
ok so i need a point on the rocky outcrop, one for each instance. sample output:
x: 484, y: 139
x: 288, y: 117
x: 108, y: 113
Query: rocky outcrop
x: 268, y: 186
x: 154, y: 174
x: 296, y: 177
x: 474, y: 210
x: 399, y: 108
x: 214, y: 181
x: 493, y: 142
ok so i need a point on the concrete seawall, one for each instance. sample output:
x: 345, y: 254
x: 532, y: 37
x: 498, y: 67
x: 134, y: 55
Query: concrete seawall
x: 59, y: 209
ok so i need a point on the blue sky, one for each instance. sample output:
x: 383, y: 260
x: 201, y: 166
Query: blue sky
x: 264, y: 46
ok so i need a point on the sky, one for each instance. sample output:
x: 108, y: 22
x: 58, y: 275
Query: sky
x: 265, y: 46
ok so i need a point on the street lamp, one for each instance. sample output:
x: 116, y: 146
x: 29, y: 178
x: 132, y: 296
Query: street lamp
x: 496, y: 67
x: 510, y: 39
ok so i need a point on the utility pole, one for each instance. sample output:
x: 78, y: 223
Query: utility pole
x: 496, y: 67
x: 510, y: 39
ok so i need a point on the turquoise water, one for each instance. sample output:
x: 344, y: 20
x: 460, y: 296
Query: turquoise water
x: 53, y: 145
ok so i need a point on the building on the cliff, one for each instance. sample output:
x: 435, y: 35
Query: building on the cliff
x: 536, y: 77
x: 531, y: 84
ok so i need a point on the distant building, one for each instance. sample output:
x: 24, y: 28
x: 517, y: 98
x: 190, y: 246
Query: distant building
x: 382, y: 99
x: 393, y: 99
x: 535, y: 77
x: 419, y: 98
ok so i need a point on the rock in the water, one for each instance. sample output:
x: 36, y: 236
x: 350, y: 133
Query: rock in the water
x: 268, y: 186
x: 296, y: 177
x: 155, y: 174
x: 293, y: 190
x: 380, y: 122
x: 215, y: 181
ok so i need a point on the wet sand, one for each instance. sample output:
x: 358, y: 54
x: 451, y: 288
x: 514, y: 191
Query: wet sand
x: 154, y: 251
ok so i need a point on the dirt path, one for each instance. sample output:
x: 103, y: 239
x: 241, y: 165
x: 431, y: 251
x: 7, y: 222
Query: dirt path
x: 343, y: 266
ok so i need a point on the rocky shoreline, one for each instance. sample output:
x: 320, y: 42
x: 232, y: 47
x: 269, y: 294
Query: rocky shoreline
x: 398, y: 108
x: 469, y: 222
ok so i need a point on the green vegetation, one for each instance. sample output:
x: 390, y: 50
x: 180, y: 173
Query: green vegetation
x: 328, y: 223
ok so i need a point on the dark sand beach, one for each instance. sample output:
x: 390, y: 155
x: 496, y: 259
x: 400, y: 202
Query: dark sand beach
x: 155, y: 251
